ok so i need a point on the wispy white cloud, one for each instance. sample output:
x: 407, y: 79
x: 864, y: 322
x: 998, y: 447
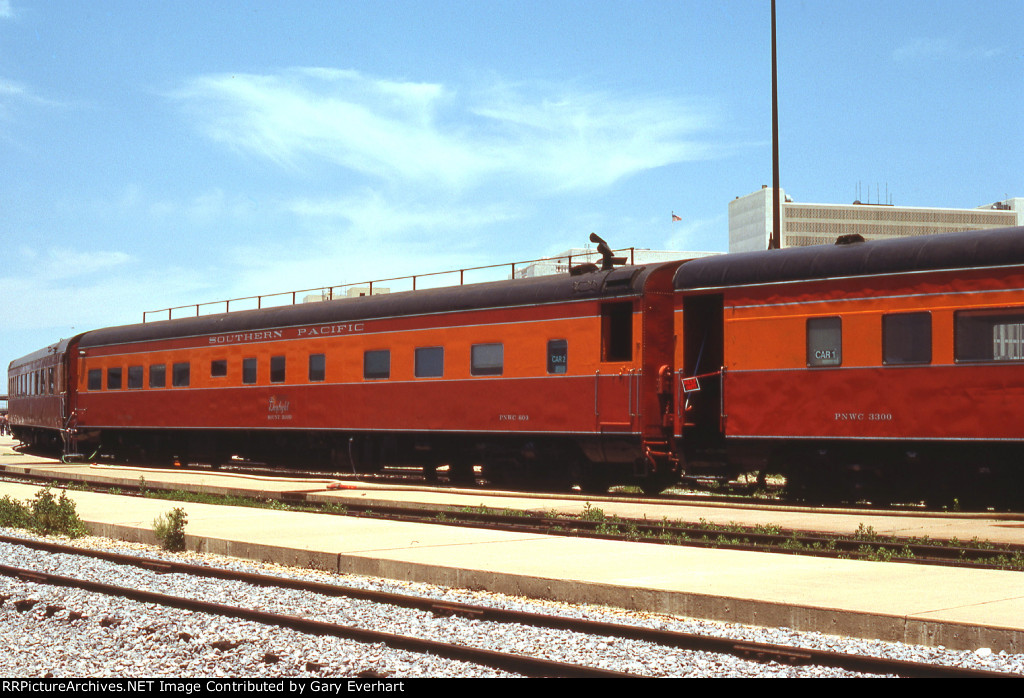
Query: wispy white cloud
x: 367, y: 235
x: 11, y: 88
x: 11, y: 92
x: 376, y: 127
x: 586, y: 140
x: 921, y: 48
x: 430, y: 134
x: 64, y: 262
x: 14, y: 90
x: 6, y: 11
x: 690, y: 234
x: 371, y: 213
x: 350, y: 259
x: 67, y: 288
x: 141, y: 205
x: 293, y: 243
x: 16, y: 96
x: 924, y: 49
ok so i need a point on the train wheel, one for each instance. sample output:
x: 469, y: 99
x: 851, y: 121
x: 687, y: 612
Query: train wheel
x: 813, y: 485
x: 551, y: 477
x: 461, y: 472
x: 656, y: 484
x: 594, y: 478
x: 963, y: 488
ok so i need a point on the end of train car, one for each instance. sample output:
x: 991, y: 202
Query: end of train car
x: 38, y: 388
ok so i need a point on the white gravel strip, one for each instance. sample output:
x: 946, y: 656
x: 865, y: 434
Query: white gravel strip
x: 115, y: 637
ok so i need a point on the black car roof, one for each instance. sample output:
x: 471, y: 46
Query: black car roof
x: 56, y: 348
x: 978, y: 248
x: 621, y: 281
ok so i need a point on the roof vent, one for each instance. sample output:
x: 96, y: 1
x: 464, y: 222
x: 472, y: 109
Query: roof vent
x: 608, y: 261
x: 849, y: 239
x: 581, y: 269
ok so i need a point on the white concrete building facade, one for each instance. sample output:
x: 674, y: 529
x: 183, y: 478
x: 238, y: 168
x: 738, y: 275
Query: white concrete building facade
x: 750, y: 220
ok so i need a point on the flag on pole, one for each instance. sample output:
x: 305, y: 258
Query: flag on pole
x: 675, y: 217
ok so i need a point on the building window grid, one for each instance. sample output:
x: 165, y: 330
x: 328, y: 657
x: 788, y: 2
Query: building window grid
x: 888, y: 214
x: 1008, y: 342
x: 805, y: 225
x: 869, y: 228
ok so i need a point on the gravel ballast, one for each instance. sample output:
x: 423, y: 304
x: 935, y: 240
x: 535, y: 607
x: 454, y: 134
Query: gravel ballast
x: 72, y: 633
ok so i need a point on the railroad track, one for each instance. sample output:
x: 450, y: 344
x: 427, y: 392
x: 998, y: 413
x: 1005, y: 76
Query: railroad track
x: 700, y: 490
x: 516, y: 663
x: 527, y: 666
x: 593, y: 523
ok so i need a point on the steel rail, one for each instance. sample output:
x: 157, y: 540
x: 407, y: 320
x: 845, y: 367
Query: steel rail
x: 783, y: 654
x: 788, y: 542
x: 528, y: 666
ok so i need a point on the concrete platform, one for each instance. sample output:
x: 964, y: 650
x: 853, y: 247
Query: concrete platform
x: 917, y: 604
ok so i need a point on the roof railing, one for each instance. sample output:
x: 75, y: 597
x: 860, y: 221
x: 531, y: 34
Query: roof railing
x: 329, y: 292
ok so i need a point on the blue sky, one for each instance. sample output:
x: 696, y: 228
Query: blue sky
x: 161, y: 154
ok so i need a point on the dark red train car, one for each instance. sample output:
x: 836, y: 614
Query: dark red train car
x: 37, y: 387
x: 876, y: 369
x: 551, y: 380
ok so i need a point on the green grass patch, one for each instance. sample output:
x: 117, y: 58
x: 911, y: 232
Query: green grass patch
x: 45, y: 514
x: 170, y: 529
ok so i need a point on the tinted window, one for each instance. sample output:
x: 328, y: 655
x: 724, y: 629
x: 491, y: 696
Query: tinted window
x: 277, y: 369
x: 113, y: 378
x: 135, y: 377
x: 95, y: 379
x: 158, y: 376
x: 989, y: 335
x: 907, y: 338
x: 181, y: 375
x: 429, y: 362
x: 487, y: 359
x: 317, y: 367
x: 558, y: 356
x: 824, y: 341
x: 377, y: 364
x: 249, y: 371
x: 218, y: 368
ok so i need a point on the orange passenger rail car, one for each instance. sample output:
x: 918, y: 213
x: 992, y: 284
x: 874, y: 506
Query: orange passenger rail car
x: 881, y: 370
x: 549, y: 381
